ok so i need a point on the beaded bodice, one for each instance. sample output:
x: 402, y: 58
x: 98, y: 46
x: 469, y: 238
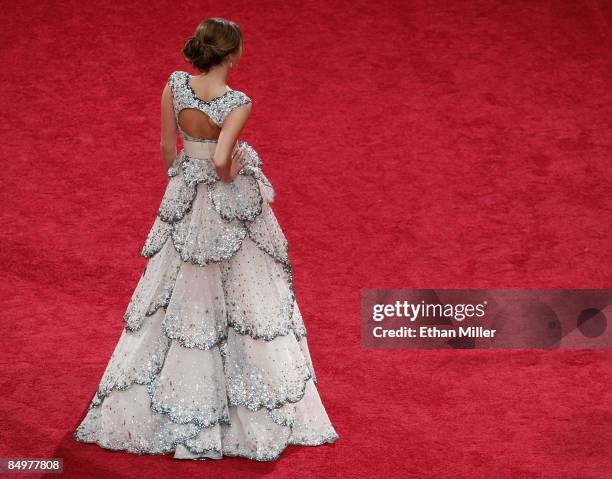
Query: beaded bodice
x: 217, y: 109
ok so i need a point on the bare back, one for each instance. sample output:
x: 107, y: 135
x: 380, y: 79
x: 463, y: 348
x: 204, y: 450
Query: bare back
x: 193, y: 122
x: 197, y: 117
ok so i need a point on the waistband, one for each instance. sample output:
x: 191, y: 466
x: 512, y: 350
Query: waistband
x: 203, y: 150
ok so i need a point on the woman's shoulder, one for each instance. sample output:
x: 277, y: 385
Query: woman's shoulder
x: 179, y: 74
x: 240, y: 96
x: 237, y: 97
x: 174, y: 76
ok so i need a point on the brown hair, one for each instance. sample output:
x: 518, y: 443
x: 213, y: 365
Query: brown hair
x: 213, y: 40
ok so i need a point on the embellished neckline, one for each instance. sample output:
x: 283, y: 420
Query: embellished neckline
x: 196, y: 97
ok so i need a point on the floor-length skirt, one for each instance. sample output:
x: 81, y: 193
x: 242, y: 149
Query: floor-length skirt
x: 213, y: 359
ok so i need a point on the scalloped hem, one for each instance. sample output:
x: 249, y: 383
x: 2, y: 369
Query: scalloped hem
x: 184, y: 452
x: 186, y: 439
x: 306, y: 425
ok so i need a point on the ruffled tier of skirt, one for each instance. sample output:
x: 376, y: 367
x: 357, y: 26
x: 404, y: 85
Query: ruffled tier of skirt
x: 213, y: 360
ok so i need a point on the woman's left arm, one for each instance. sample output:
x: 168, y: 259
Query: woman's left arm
x: 169, y: 129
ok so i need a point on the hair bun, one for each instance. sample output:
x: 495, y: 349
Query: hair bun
x: 193, y: 49
x: 213, y: 40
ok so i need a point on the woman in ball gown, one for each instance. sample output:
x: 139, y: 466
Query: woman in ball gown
x: 213, y: 359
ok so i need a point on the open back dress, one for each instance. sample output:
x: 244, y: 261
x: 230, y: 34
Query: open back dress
x: 213, y: 359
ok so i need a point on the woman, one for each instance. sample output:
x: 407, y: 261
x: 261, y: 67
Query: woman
x: 213, y: 360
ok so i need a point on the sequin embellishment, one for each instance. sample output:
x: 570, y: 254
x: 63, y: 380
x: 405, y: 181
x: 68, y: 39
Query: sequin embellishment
x: 216, y: 109
x: 213, y: 360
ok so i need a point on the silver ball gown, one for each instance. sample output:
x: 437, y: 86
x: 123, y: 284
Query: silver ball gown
x: 213, y: 359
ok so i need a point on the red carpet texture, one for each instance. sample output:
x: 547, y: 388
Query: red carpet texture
x: 413, y: 144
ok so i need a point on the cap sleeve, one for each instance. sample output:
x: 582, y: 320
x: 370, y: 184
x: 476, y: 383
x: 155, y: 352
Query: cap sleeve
x: 236, y: 99
x: 242, y: 98
x: 172, y: 80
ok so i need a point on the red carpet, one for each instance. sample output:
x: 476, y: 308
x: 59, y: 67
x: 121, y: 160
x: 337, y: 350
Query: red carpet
x: 412, y: 144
